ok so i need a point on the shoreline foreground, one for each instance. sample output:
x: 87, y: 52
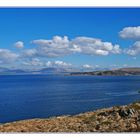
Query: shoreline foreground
x: 124, y: 118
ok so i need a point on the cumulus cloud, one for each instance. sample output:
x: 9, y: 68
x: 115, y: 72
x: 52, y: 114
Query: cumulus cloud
x: 33, y: 62
x: 58, y: 64
x: 6, y: 56
x: 86, y: 66
x: 43, y: 63
x: 19, y: 45
x: 134, y: 49
x: 93, y: 46
x: 130, y: 33
x: 101, y: 52
x: 61, y: 46
x: 29, y: 53
x: 57, y: 47
x: 125, y: 65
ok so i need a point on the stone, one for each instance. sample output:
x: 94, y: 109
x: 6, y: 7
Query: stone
x: 126, y: 112
x: 117, y: 117
x: 97, y: 127
x: 113, y: 113
x: 133, y: 126
x: 123, y: 113
x: 103, y: 114
x: 130, y: 112
x: 138, y: 118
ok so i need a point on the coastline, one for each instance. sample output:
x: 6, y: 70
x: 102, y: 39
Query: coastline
x: 124, y: 118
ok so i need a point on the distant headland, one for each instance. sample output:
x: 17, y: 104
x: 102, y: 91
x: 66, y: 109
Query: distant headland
x: 115, y: 72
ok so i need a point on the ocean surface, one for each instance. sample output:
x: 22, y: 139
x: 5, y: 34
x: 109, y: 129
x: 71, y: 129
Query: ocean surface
x: 41, y: 96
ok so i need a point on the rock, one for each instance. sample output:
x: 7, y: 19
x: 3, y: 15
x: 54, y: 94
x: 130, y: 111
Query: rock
x: 113, y: 113
x: 123, y: 112
x: 138, y: 118
x: 97, y: 127
x: 133, y: 126
x: 117, y: 117
x: 103, y: 114
x: 126, y: 112
x: 131, y: 111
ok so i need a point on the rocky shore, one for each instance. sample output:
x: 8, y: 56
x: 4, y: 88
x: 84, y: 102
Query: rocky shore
x: 115, y: 119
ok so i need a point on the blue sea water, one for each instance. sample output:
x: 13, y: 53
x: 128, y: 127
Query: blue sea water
x: 41, y: 96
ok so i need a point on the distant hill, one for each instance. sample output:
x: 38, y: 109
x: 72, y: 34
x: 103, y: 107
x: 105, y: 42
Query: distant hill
x: 4, y: 71
x: 54, y: 70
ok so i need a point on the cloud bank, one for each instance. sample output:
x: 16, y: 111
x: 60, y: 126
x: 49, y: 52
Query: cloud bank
x: 34, y: 62
x: 61, y: 46
x: 58, y: 63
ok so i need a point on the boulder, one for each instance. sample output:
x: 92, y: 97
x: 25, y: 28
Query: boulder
x: 126, y: 112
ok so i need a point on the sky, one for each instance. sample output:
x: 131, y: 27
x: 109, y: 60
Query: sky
x: 85, y: 38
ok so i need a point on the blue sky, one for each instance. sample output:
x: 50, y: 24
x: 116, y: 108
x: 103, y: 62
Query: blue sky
x: 34, y: 37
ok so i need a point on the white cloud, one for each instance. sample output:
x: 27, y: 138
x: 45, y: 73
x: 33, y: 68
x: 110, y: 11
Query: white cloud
x: 29, y: 53
x: 93, y: 46
x: 116, y: 49
x: 130, y: 33
x: 61, y: 63
x: 101, y: 52
x: 125, y: 65
x: 114, y: 65
x: 87, y: 66
x: 56, y: 42
x: 49, y: 64
x: 97, y: 66
x: 57, y: 47
x: 6, y: 56
x: 134, y: 49
x: 58, y: 64
x: 19, y: 44
x: 61, y: 46
x: 76, y: 49
x: 36, y: 62
x: 33, y: 62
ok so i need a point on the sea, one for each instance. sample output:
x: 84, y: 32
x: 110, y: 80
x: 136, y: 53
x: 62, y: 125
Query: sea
x: 43, y: 96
